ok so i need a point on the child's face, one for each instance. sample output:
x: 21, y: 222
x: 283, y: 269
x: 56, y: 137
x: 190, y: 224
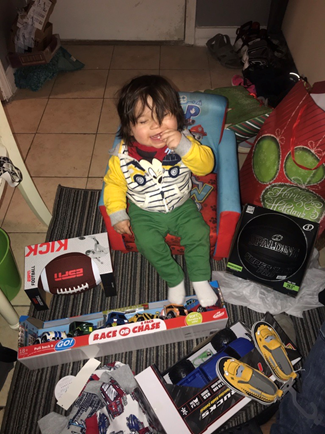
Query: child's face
x: 147, y: 129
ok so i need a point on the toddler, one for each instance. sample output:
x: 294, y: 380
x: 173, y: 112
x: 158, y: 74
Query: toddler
x: 152, y: 167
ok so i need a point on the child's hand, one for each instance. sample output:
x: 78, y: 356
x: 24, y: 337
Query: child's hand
x: 171, y: 138
x: 123, y: 227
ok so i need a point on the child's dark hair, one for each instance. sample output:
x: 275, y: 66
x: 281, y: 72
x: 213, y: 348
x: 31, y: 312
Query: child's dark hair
x: 165, y: 99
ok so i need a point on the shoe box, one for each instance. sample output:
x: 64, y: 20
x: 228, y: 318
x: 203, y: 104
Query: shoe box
x: 39, y: 256
x: 194, y: 410
x: 272, y: 248
x: 161, y: 329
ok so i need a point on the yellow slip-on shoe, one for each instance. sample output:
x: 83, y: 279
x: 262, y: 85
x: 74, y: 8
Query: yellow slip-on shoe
x: 270, y: 345
x: 247, y: 381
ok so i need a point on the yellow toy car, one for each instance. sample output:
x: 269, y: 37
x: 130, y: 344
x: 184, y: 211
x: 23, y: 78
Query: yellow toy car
x: 143, y: 316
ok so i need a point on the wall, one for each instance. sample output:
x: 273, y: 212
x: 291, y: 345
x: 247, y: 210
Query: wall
x: 122, y: 20
x: 231, y: 12
x: 304, y: 30
x: 8, y: 12
x: 303, y: 26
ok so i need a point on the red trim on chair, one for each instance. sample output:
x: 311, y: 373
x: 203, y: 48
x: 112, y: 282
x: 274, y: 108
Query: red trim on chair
x: 227, y: 227
x: 115, y: 240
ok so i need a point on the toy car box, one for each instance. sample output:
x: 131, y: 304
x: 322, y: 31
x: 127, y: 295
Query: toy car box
x: 124, y: 330
x: 38, y: 256
x: 196, y: 410
x: 272, y: 248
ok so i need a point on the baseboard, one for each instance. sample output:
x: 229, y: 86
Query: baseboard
x: 7, y: 82
x: 203, y: 34
x: 199, y: 37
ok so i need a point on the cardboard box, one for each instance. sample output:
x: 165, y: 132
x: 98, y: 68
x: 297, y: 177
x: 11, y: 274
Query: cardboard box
x: 38, y: 256
x: 122, y: 405
x: 35, y: 15
x: 38, y: 12
x: 31, y: 30
x: 127, y: 337
x: 272, y: 248
x: 196, y: 411
x: 18, y: 60
x: 41, y: 39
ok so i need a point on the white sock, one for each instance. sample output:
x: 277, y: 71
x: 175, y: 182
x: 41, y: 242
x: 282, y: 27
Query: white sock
x: 205, y: 294
x: 176, y: 293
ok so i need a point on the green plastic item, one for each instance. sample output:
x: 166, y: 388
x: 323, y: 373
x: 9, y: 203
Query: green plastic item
x: 10, y: 280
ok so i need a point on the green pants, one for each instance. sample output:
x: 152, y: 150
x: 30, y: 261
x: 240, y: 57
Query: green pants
x: 186, y: 222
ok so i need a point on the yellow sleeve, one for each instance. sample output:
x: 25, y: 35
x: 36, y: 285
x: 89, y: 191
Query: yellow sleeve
x: 115, y: 187
x: 199, y: 159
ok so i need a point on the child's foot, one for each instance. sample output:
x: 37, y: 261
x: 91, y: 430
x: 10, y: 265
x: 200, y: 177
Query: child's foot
x: 176, y: 293
x: 205, y: 294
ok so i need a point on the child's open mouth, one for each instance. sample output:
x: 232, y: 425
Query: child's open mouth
x: 156, y: 137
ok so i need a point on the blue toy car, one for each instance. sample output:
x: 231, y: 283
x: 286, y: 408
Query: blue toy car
x: 49, y: 337
x: 103, y: 423
x: 185, y: 374
x: 193, y: 305
x: 115, y: 319
x: 134, y: 424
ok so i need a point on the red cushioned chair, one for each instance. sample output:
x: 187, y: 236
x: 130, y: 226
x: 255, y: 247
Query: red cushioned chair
x: 217, y: 194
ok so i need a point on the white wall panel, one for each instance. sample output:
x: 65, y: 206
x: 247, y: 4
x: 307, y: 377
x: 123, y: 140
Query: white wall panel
x: 121, y: 20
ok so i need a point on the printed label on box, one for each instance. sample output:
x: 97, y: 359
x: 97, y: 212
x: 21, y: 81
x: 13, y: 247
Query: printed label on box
x: 39, y: 257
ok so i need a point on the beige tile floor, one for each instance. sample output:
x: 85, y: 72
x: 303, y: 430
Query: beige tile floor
x: 65, y: 129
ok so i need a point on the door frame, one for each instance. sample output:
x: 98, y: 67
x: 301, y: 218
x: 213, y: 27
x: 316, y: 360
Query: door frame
x: 7, y: 82
x: 190, y: 16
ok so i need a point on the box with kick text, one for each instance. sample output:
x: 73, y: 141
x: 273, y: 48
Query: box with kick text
x: 68, y: 267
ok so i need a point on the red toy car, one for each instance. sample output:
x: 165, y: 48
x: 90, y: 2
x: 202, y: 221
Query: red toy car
x: 114, y: 396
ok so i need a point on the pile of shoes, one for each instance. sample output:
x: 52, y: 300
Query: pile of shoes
x: 265, y: 62
x: 254, y: 47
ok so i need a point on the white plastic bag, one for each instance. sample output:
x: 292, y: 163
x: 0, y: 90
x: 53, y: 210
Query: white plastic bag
x: 263, y: 299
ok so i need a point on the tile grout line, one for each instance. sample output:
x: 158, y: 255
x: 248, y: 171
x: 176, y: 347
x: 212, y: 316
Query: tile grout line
x: 103, y: 100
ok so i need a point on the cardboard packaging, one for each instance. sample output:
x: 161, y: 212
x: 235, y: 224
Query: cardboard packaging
x: 18, y: 60
x: 120, y: 338
x: 120, y: 405
x: 190, y: 410
x: 272, y: 248
x: 33, y: 33
x: 38, y: 12
x: 42, y: 38
x: 39, y: 255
